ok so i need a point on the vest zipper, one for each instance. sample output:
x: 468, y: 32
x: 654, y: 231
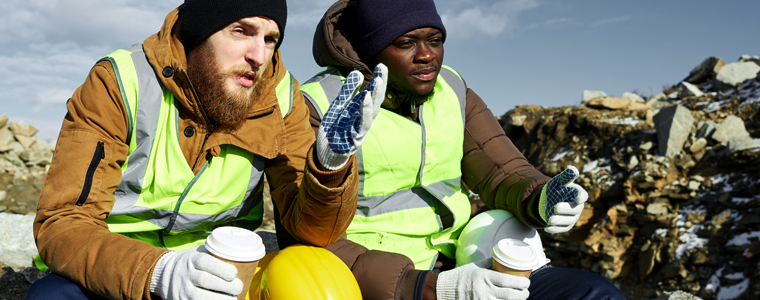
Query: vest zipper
x: 99, y: 154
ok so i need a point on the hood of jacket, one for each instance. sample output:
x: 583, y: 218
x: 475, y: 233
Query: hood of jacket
x: 332, y: 39
x: 165, y: 50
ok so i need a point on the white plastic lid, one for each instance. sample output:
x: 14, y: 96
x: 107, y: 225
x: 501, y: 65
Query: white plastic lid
x: 515, y: 254
x: 236, y: 244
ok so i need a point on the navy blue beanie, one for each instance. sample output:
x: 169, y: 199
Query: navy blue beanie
x: 380, y: 22
x: 202, y: 18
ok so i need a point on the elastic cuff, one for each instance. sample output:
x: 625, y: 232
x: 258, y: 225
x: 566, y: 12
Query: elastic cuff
x: 541, y: 207
x: 158, y: 269
x: 331, y: 160
x: 419, y: 285
x: 328, y: 178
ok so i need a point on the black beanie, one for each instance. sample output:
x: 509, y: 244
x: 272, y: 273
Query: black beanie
x: 202, y: 18
x: 381, y: 22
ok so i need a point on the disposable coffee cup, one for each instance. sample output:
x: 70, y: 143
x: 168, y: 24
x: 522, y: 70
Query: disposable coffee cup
x: 514, y: 257
x: 239, y: 247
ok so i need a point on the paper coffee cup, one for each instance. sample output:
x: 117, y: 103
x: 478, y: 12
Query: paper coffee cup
x: 514, y: 257
x: 239, y: 247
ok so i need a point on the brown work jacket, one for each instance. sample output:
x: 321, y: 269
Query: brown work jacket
x: 74, y: 241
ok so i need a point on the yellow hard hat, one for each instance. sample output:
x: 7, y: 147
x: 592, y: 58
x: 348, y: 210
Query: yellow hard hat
x: 306, y: 272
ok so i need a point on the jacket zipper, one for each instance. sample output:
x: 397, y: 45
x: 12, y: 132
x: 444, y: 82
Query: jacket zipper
x: 99, y: 155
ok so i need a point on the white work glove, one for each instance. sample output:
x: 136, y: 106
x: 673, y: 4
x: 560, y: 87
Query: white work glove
x: 473, y: 282
x: 190, y: 274
x: 561, y: 202
x: 348, y: 119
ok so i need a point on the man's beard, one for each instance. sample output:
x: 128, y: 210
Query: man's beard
x: 226, y: 109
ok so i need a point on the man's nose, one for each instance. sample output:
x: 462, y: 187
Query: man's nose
x: 424, y: 54
x: 256, y: 52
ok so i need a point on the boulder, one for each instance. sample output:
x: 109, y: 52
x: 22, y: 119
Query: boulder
x: 517, y: 121
x: 673, y: 125
x: 746, y: 58
x: 633, y: 97
x: 22, y: 129
x: 707, y: 69
x: 733, y: 74
x: 588, y: 95
x: 6, y: 138
x: 698, y: 145
x: 613, y: 103
x: 36, y: 157
x: 705, y: 129
x: 686, y: 89
x: 17, y: 248
x: 732, y: 126
x: 3, y: 121
x: 739, y: 143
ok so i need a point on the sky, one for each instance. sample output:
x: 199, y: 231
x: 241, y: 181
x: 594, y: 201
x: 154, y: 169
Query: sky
x: 510, y: 52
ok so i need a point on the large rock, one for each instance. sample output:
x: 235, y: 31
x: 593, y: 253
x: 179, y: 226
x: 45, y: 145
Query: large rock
x: 36, y: 157
x: 686, y: 89
x: 6, y: 139
x: 609, y: 103
x: 739, y: 143
x: 633, y: 97
x: 588, y: 95
x: 705, y: 129
x: 732, y: 126
x: 706, y: 70
x: 3, y: 121
x: 17, y: 249
x: 733, y: 74
x: 673, y: 125
x: 22, y: 129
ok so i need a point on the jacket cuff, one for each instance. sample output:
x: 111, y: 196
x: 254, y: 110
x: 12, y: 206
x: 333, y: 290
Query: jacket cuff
x: 534, y: 216
x: 328, y: 178
x: 416, y: 285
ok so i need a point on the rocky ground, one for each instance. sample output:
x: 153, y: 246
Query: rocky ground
x: 672, y: 181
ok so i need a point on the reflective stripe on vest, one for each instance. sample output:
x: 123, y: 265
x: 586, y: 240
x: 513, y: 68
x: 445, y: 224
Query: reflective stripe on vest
x: 159, y: 199
x: 410, y: 173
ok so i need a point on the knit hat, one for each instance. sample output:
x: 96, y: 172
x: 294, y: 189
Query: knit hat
x: 380, y: 22
x: 202, y: 18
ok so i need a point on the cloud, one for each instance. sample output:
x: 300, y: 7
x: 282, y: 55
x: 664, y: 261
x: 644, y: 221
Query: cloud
x: 610, y: 21
x: 305, y: 14
x: 552, y: 23
x: 491, y: 20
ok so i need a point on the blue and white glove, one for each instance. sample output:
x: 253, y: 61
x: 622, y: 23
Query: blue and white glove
x: 348, y: 119
x: 561, y: 202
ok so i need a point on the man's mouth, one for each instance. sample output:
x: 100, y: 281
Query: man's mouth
x: 246, y: 79
x: 425, y: 75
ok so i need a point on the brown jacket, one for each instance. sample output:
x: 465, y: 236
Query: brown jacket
x: 74, y: 241
x: 492, y: 167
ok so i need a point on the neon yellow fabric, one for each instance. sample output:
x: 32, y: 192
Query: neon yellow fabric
x: 391, y: 159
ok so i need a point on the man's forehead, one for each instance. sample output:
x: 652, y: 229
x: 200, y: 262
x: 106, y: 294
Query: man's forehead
x: 260, y: 22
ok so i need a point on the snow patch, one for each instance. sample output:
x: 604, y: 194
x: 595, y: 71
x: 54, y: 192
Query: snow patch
x: 562, y: 153
x: 690, y: 240
x: 743, y: 239
x: 734, y: 276
x: 734, y: 291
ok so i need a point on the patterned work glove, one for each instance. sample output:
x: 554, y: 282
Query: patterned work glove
x: 473, y: 282
x: 562, y: 201
x: 348, y: 119
x: 190, y: 274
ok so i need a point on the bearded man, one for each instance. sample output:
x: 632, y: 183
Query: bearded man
x: 169, y: 139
